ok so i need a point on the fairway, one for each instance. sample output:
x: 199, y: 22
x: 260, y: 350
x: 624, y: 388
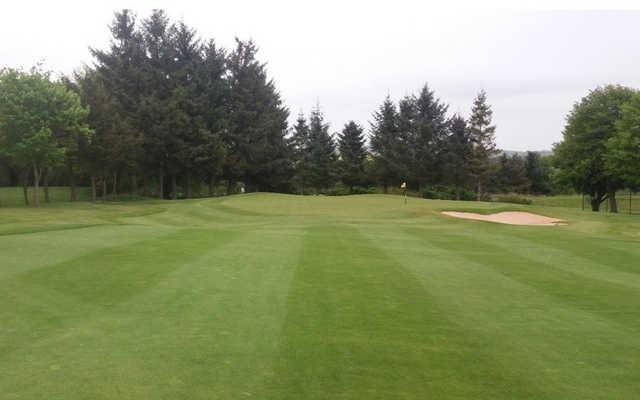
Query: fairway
x: 270, y: 296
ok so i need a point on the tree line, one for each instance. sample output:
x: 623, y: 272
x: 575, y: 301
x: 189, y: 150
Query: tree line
x: 164, y: 113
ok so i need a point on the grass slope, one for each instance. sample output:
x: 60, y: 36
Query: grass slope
x: 282, y: 297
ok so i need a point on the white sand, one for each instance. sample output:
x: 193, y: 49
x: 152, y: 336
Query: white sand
x: 509, y: 217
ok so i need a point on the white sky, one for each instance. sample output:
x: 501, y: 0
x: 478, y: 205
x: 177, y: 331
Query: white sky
x: 534, y: 62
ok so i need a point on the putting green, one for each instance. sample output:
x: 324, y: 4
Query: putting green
x: 272, y: 296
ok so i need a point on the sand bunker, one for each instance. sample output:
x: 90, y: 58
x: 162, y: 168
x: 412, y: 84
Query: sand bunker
x: 509, y: 217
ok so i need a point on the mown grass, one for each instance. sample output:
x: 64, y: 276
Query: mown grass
x: 284, y: 297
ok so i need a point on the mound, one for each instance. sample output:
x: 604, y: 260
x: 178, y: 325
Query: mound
x: 509, y: 217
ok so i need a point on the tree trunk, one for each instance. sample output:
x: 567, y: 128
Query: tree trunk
x: 134, y: 184
x: 613, y: 203
x: 479, y: 190
x: 115, y: 186
x: 212, y: 185
x: 25, y: 186
x: 73, y: 192
x: 174, y: 187
x: 104, y: 188
x: 595, y: 202
x: 161, y: 185
x: 45, y: 185
x: 385, y: 189
x: 93, y: 188
x: 189, y: 184
x: 36, y: 185
x: 457, y: 193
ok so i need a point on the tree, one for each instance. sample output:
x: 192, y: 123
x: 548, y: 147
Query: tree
x: 537, y: 173
x: 427, y: 138
x: 257, y: 149
x: 212, y: 79
x: 120, y: 91
x: 622, y: 158
x: 483, y: 139
x: 158, y: 113
x: 407, y: 154
x: 299, y: 144
x: 511, y: 175
x: 101, y: 153
x: 322, y: 156
x: 388, y: 148
x: 456, y: 155
x: 582, y: 153
x: 34, y: 113
x: 351, y: 145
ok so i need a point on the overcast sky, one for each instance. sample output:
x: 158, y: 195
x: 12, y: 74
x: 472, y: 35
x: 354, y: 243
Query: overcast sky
x: 534, y: 62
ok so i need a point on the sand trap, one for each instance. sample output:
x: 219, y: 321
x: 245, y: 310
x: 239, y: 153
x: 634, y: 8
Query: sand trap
x: 509, y: 217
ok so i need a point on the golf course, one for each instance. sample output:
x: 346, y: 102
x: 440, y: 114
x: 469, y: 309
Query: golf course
x: 273, y: 296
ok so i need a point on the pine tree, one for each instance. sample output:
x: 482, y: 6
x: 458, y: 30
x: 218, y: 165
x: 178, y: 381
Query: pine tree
x: 537, y: 173
x: 407, y: 157
x: 121, y: 72
x: 321, y: 153
x: 511, y: 175
x: 188, y: 103
x: 158, y: 114
x: 299, y: 144
x: 351, y: 144
x: 257, y: 148
x: 428, y: 137
x: 387, y: 146
x: 212, y: 78
x: 456, y: 155
x: 483, y: 138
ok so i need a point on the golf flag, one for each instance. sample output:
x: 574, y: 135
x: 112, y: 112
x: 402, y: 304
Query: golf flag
x: 404, y: 185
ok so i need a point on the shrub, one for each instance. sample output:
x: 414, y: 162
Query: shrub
x: 447, y: 193
x: 341, y: 190
x: 512, y: 198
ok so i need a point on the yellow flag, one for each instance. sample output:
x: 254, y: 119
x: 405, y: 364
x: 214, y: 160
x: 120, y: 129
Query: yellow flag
x: 404, y: 185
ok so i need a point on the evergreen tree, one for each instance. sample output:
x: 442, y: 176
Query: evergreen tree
x: 388, y: 148
x: 407, y: 153
x: 428, y: 138
x: 299, y: 145
x: 456, y: 155
x: 158, y: 115
x: 214, y: 85
x: 188, y: 103
x: 257, y: 124
x: 322, y: 158
x: 351, y: 144
x: 511, y: 176
x: 112, y: 147
x: 537, y: 173
x: 483, y: 138
x: 121, y: 71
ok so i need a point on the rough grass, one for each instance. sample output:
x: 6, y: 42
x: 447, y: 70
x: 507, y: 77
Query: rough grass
x: 282, y: 297
x: 575, y: 201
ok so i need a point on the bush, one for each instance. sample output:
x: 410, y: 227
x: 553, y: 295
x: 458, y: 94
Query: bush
x: 341, y: 190
x: 448, y: 193
x: 512, y: 198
